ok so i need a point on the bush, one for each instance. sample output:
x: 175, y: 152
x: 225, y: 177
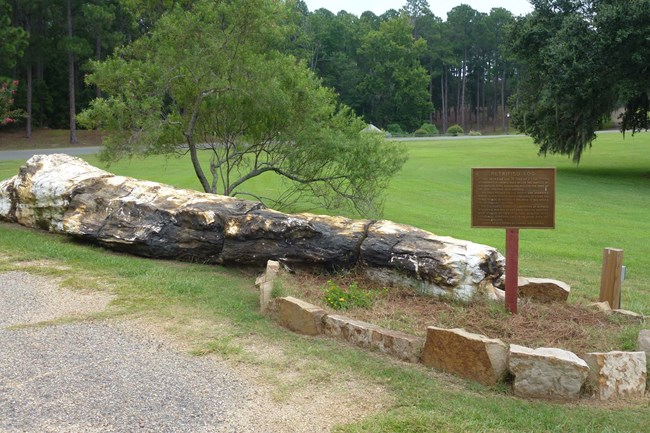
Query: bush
x: 474, y: 133
x: 429, y: 128
x: 395, y: 129
x: 421, y: 133
x: 455, y: 130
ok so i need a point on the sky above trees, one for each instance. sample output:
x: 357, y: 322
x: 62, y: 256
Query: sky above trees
x: 439, y: 8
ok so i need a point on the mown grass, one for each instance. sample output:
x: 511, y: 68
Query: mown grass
x: 603, y: 202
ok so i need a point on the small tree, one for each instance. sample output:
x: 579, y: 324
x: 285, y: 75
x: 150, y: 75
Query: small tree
x: 212, y: 80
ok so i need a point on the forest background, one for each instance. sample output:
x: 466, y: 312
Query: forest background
x: 398, y: 70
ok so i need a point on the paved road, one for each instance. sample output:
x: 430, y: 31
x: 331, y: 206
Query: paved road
x: 25, y: 154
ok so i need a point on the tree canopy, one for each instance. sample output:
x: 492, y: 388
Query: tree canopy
x: 403, y: 68
x: 580, y: 60
x: 214, y: 79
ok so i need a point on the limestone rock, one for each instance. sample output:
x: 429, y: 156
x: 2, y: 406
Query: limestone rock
x: 265, y: 283
x: 300, y: 316
x: 643, y: 342
x: 355, y: 331
x: 397, y: 344
x: 546, y: 373
x: 543, y: 289
x: 617, y: 374
x: 628, y: 315
x: 468, y: 355
x: 601, y: 306
x: 66, y: 195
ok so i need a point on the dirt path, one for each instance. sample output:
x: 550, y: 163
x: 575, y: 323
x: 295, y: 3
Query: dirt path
x: 113, y: 375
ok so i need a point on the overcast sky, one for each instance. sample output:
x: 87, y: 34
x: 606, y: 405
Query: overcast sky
x: 438, y: 7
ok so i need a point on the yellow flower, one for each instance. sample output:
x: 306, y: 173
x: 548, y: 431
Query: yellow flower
x: 342, y: 299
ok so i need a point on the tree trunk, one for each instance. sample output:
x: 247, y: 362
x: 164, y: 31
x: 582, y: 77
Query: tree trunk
x: 463, y: 85
x: 432, y: 114
x: 478, y: 101
x: 71, y: 81
x: 503, y: 100
x: 445, y: 103
x: 30, y: 86
x: 495, y: 106
x: 98, y: 56
x: 28, y: 126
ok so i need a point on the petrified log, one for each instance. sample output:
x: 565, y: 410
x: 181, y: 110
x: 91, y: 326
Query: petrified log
x: 67, y: 195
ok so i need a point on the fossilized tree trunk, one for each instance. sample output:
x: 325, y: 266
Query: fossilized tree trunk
x: 66, y: 195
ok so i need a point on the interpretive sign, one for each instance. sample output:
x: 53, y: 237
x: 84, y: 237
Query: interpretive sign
x: 513, y: 198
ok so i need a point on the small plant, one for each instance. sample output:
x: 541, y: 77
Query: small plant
x: 455, y: 130
x: 342, y: 299
x: 473, y: 133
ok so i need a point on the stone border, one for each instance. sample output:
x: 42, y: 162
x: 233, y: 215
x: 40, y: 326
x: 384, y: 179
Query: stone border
x: 548, y: 373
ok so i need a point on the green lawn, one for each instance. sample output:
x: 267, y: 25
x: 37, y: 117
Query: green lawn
x: 603, y: 202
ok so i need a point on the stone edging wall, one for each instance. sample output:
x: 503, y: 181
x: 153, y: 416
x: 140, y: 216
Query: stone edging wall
x: 548, y: 373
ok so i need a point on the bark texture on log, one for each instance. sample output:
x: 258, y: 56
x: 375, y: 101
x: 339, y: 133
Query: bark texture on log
x: 66, y: 195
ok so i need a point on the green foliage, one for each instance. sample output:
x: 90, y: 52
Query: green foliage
x: 395, y: 129
x: 473, y: 133
x: 581, y: 60
x: 252, y: 108
x: 429, y: 129
x: 394, y: 83
x: 350, y: 297
x: 14, y: 39
x: 455, y: 130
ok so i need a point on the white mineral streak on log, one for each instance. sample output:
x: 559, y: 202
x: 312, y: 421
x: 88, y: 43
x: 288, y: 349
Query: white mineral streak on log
x: 65, y: 194
x: 438, y: 263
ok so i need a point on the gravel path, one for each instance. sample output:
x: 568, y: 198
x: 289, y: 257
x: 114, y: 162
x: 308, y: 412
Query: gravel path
x: 104, y: 376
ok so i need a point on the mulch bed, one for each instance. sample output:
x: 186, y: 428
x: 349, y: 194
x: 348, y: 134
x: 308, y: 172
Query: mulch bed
x: 567, y: 326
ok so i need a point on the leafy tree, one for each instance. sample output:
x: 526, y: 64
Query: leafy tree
x: 582, y: 59
x: 214, y: 80
x: 14, y: 39
x: 394, y: 87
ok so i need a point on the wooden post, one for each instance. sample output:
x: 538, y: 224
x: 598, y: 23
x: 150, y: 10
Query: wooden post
x: 610, y: 278
x: 512, y: 269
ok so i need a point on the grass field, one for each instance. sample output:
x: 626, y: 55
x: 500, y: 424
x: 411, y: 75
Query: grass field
x: 601, y: 203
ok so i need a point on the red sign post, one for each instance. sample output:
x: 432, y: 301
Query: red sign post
x: 513, y: 198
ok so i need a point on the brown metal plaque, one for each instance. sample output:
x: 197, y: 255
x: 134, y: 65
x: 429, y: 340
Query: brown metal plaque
x: 513, y: 198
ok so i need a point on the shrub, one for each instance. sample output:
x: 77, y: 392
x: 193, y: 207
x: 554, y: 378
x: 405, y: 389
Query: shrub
x: 429, y: 128
x: 395, y: 129
x: 342, y: 299
x: 474, y: 133
x: 455, y: 130
x: 421, y: 133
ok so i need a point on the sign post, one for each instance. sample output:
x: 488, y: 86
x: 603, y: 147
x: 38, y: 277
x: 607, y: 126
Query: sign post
x: 513, y: 198
x: 512, y: 269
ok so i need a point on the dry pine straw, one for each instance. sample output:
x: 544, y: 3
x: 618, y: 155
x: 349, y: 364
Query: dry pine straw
x: 566, y: 326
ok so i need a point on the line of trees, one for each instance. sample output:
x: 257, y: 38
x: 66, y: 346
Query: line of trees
x: 397, y: 70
